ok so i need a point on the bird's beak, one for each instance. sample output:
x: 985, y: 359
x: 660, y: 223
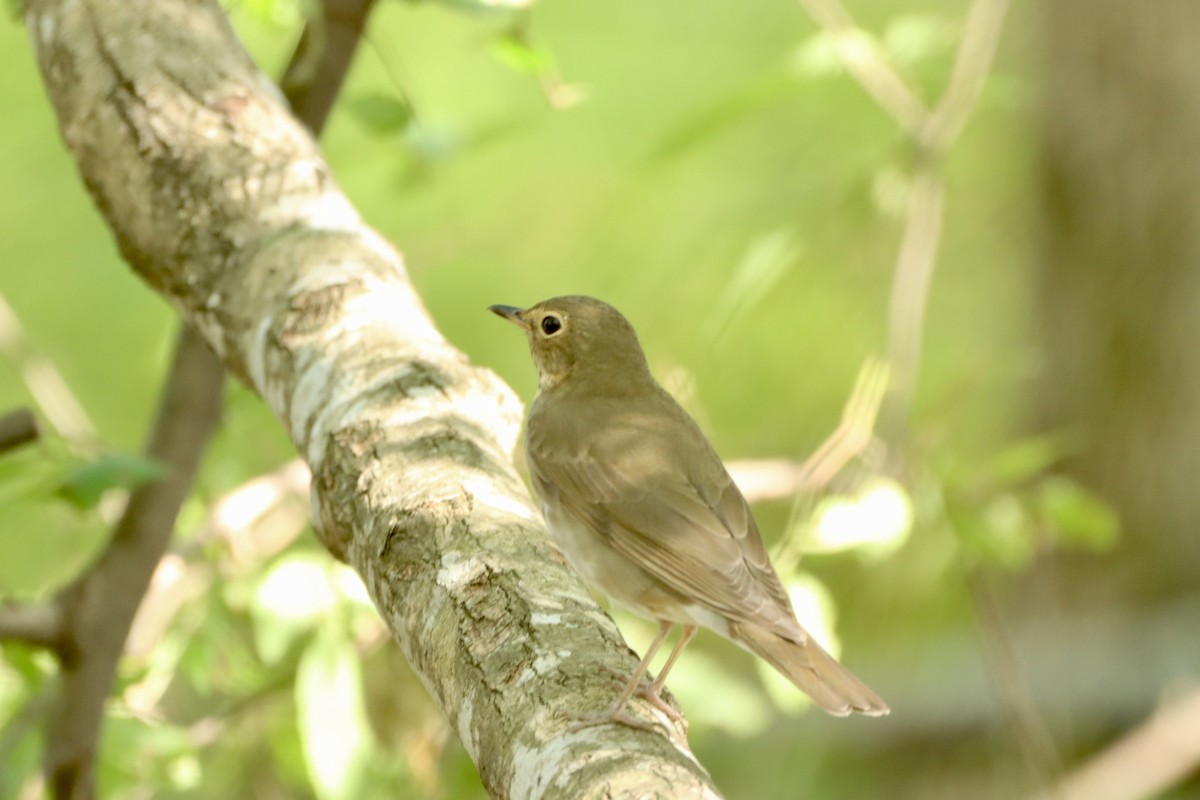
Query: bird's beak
x: 510, y: 313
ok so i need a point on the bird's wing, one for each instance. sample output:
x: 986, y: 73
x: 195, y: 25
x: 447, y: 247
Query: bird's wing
x: 682, y: 520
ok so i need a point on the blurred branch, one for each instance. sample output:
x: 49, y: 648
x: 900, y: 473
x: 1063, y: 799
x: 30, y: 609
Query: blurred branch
x: 314, y: 76
x: 1011, y: 685
x: 64, y: 413
x: 1144, y: 763
x: 926, y: 201
x: 99, y: 606
x: 933, y: 133
x: 409, y: 445
x: 39, y: 624
x: 17, y: 428
x: 910, y: 287
x: 868, y: 66
x: 774, y: 479
x: 981, y: 35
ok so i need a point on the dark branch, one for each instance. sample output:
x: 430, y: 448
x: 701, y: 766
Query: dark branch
x: 99, y: 607
x: 17, y: 428
x: 319, y: 65
x: 38, y: 624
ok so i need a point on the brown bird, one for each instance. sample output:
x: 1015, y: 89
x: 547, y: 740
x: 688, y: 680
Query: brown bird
x: 643, y: 509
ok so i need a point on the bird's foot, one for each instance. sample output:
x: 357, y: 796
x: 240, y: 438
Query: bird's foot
x: 653, y: 695
x: 614, y: 715
x: 650, y: 692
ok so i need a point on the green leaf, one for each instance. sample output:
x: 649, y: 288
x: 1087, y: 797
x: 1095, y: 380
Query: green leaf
x: 876, y: 519
x: 381, y: 113
x: 86, y: 485
x: 330, y: 712
x: 522, y: 56
x: 998, y: 533
x: 1027, y: 458
x: 1075, y: 515
x: 289, y: 601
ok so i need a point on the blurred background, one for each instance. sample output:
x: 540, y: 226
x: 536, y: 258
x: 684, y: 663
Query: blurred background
x: 1012, y: 563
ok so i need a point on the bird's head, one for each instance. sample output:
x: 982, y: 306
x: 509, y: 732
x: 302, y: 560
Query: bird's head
x: 583, y: 337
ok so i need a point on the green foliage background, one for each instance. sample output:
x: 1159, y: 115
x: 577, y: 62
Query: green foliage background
x: 725, y: 184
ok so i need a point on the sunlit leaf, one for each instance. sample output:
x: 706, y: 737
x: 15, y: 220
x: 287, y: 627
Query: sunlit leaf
x: 289, y: 600
x: 522, y: 56
x: 877, y: 519
x: 333, y: 725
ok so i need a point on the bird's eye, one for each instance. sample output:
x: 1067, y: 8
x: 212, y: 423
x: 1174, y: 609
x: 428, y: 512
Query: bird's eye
x: 551, y: 325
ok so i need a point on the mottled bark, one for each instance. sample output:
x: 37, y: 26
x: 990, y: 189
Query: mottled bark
x: 222, y: 203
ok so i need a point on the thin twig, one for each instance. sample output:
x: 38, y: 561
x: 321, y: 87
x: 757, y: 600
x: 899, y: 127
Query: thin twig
x: 64, y: 413
x: 1011, y: 685
x: 17, y: 428
x: 911, y: 280
x: 981, y: 35
x: 863, y: 60
x: 777, y: 478
x: 100, y: 605
x: 933, y: 132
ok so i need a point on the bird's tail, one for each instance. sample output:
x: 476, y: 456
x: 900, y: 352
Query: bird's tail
x: 830, y: 685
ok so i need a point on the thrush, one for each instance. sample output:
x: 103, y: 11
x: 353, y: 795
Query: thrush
x: 638, y: 501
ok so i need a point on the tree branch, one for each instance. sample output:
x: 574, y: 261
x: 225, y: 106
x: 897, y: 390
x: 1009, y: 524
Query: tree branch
x: 933, y: 132
x: 863, y: 60
x: 43, y: 380
x: 99, y: 607
x: 38, y: 624
x: 314, y: 77
x: 17, y: 428
x: 221, y: 202
x: 1147, y: 761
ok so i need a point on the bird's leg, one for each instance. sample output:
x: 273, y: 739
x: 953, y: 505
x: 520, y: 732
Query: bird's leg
x: 653, y: 694
x: 616, y: 712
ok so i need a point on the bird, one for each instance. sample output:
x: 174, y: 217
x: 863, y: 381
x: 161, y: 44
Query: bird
x: 642, y: 507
